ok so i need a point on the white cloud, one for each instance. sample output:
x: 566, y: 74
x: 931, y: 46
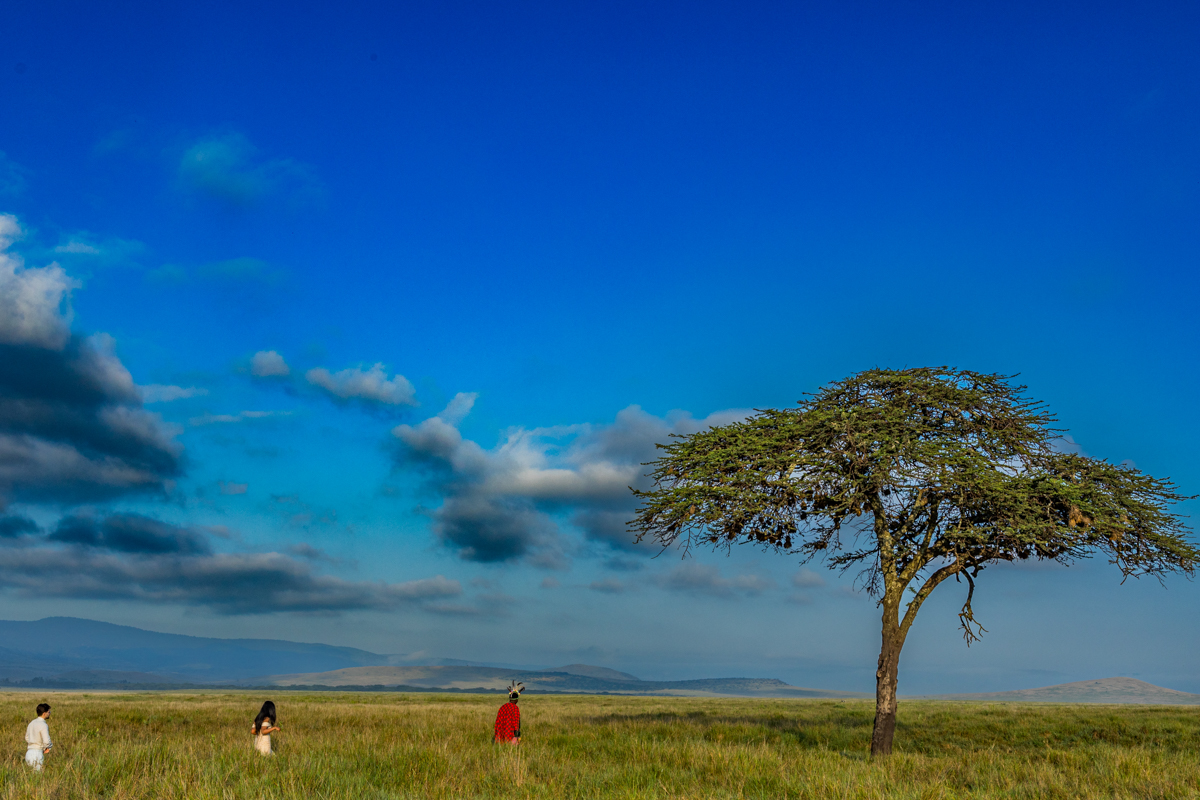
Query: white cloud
x: 752, y: 584
x: 458, y: 408
x: 31, y: 461
x: 372, y: 385
x: 77, y: 247
x: 161, y: 393
x: 140, y: 559
x: 269, y: 364
x: 72, y: 426
x: 135, y: 425
x: 211, y: 419
x: 241, y: 416
x: 229, y: 487
x: 83, y: 250
x: 35, y: 302
x: 227, y: 168
x: 707, y: 580
x: 104, y: 369
x: 501, y: 504
x: 10, y: 230
x: 807, y: 579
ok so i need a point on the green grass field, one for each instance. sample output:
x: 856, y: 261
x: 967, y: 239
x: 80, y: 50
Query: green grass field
x: 369, y: 745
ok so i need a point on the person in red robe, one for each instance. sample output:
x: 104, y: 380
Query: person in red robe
x: 508, y: 718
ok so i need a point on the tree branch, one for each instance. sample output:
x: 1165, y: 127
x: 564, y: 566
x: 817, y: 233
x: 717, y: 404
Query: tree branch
x: 887, y: 553
x: 910, y: 613
x: 967, y: 615
x: 923, y: 556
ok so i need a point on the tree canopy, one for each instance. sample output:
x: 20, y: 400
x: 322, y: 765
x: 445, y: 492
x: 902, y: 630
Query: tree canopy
x: 913, y: 476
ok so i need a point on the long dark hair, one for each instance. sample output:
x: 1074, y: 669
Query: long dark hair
x: 268, y: 710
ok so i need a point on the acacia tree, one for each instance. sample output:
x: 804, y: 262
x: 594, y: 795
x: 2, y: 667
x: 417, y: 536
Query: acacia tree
x: 914, y: 476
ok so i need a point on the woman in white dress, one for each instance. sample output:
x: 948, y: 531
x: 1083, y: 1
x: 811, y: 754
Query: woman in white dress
x: 264, y: 726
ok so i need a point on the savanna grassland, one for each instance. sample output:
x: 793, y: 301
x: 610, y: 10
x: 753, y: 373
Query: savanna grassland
x: 375, y: 745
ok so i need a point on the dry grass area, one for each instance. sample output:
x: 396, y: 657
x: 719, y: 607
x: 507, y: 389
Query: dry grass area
x: 363, y: 746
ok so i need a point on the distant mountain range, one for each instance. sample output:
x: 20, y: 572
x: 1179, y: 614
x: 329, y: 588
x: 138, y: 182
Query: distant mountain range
x: 59, y: 646
x: 66, y: 652
x: 571, y: 679
x: 85, y: 648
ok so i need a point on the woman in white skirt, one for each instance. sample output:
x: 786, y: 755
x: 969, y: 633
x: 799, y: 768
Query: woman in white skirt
x: 264, y: 726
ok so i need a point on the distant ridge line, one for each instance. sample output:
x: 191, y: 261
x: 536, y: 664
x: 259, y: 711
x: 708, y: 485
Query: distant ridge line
x: 81, y: 654
x: 577, y: 681
x: 1116, y: 691
x: 71, y: 653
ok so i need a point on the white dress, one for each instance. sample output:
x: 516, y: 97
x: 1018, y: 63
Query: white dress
x: 262, y: 741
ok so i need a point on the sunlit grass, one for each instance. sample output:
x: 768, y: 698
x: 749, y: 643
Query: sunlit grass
x: 368, y: 745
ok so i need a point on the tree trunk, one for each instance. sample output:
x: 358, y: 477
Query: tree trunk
x: 885, y: 683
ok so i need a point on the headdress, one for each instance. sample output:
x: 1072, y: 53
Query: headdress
x: 515, y: 689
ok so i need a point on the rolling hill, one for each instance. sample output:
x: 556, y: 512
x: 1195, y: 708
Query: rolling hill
x: 572, y: 679
x: 56, y: 646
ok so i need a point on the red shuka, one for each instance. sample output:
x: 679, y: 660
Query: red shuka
x: 508, y: 723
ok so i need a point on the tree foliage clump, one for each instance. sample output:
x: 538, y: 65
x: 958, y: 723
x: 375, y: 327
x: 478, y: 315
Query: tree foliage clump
x: 913, y: 476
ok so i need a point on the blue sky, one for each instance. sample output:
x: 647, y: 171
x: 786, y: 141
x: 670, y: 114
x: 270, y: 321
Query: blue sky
x: 429, y: 281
